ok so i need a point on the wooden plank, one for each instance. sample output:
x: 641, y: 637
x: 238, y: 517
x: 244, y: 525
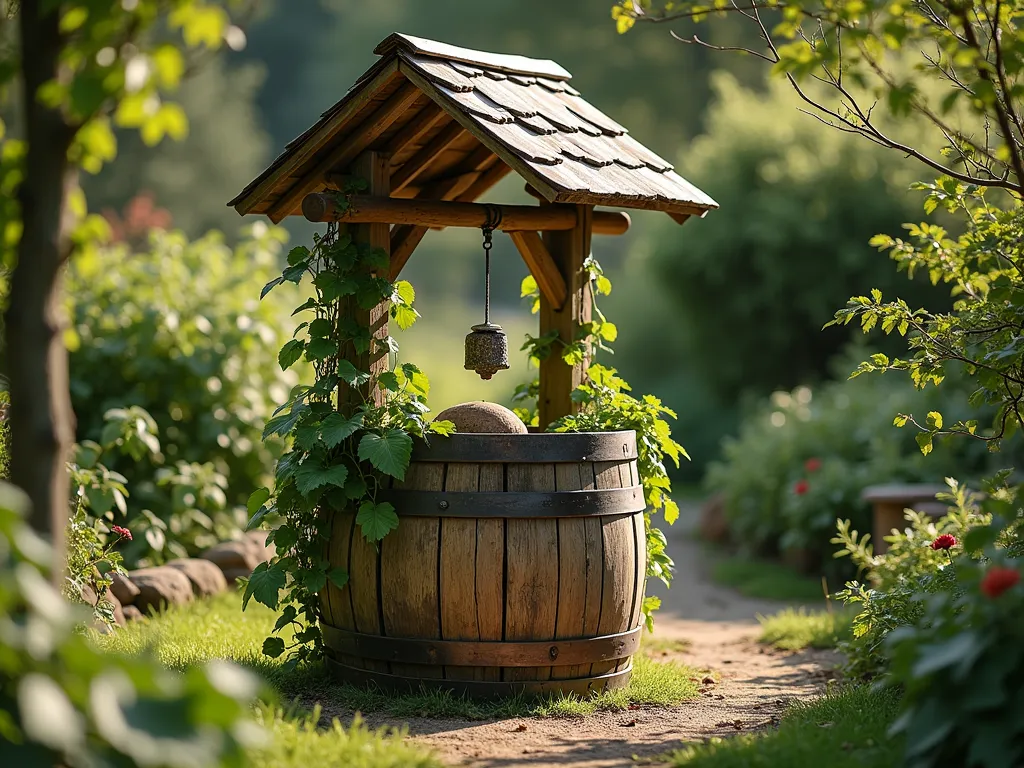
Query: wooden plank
x: 490, y: 569
x: 409, y: 573
x: 542, y: 267
x: 617, y: 566
x: 316, y: 137
x: 573, y: 567
x: 362, y: 581
x: 531, y: 547
x: 337, y: 603
x: 342, y: 155
x: 375, y: 168
x: 418, y: 125
x: 640, y: 559
x: 605, y: 222
x: 458, y: 571
x: 558, y: 380
x: 419, y: 162
x: 519, y: 165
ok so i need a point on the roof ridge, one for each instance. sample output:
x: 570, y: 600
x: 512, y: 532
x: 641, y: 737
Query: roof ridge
x: 502, y: 62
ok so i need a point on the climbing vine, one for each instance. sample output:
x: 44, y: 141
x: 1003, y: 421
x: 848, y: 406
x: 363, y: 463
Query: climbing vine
x: 350, y: 430
x: 606, y: 405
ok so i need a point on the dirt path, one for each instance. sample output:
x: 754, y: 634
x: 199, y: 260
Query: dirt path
x: 719, y: 625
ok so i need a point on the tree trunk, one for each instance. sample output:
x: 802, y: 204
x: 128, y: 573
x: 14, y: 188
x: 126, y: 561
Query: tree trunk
x: 42, y: 421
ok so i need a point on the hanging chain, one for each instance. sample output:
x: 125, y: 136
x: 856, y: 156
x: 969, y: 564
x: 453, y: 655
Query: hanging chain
x: 492, y: 221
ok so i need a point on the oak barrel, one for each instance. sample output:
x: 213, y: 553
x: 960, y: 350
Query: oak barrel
x: 518, y: 566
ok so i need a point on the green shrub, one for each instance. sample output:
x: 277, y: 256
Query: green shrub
x: 179, y: 331
x: 960, y: 666
x: 62, y: 702
x: 802, y: 460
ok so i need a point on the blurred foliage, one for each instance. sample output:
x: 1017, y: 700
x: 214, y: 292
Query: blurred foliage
x: 62, y: 702
x: 5, y: 436
x: 803, y: 458
x: 178, y: 330
x: 798, y: 206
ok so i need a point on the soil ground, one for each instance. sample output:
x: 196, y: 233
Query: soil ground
x: 719, y: 628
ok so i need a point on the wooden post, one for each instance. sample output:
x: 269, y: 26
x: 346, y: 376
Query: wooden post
x: 568, y: 249
x: 375, y: 168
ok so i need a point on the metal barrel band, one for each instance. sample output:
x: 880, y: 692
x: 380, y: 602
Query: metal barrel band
x: 515, y: 504
x: 481, y: 689
x: 531, y: 448
x: 484, y: 653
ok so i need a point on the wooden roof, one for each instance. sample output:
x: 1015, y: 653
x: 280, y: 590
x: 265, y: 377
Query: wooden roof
x: 455, y: 121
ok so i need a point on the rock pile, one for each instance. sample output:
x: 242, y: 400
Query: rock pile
x: 150, y: 590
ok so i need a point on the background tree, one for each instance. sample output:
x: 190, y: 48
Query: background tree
x: 79, y: 67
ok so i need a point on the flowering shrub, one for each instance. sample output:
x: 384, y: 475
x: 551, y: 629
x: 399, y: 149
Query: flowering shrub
x: 803, y: 458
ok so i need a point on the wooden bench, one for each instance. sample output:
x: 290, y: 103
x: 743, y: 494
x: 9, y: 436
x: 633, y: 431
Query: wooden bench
x: 889, y: 502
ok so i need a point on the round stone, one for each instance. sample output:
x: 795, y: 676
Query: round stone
x: 483, y: 417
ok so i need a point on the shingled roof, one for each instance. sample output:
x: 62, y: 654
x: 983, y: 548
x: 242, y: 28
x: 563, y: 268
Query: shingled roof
x: 455, y: 121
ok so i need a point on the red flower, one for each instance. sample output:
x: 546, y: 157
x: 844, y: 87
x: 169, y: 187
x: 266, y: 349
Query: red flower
x: 998, y: 580
x: 801, y: 487
x: 945, y: 541
x: 124, y: 533
x: 812, y: 464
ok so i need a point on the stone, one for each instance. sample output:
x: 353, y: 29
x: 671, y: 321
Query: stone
x: 207, y: 579
x: 481, y: 417
x: 234, y: 574
x: 132, y: 613
x: 714, y: 525
x: 232, y: 555
x: 260, y: 539
x: 123, y: 589
x: 160, y: 587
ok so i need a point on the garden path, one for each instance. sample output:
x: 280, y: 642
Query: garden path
x: 717, y: 628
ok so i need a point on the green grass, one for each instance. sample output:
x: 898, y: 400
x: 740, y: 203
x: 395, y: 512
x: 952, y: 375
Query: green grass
x: 653, y: 645
x: 766, y: 580
x: 795, y: 629
x: 844, y: 729
x: 189, y: 635
x: 297, y: 742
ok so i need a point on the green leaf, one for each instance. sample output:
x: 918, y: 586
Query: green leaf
x: 270, y: 286
x: 282, y: 425
x: 900, y: 420
x: 320, y: 349
x: 333, y: 286
x: 935, y: 420
x: 355, y: 488
x: 314, y: 581
x: 389, y: 453
x: 255, y: 506
x: 351, y: 375
x: 273, y: 647
x: 376, y: 520
x: 338, y: 577
x: 389, y: 381
x: 417, y: 379
x: 297, y: 255
x: 604, y: 285
x: 671, y: 511
x: 290, y: 354
x: 404, y: 316
x: 443, y: 427
x: 405, y: 292
x: 924, y: 441
x: 265, y: 585
x: 311, y: 475
x: 336, y: 428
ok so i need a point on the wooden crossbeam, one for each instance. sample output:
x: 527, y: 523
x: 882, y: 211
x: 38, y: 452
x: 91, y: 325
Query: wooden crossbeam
x: 354, y: 144
x: 320, y: 207
x: 419, y: 162
x: 542, y: 267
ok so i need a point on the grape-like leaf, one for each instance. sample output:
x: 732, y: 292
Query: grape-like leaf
x: 318, y: 349
x: 312, y: 475
x: 265, y: 585
x: 336, y: 428
x: 389, y: 452
x: 376, y: 520
x: 273, y: 647
x: 351, y: 375
x: 338, y: 577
